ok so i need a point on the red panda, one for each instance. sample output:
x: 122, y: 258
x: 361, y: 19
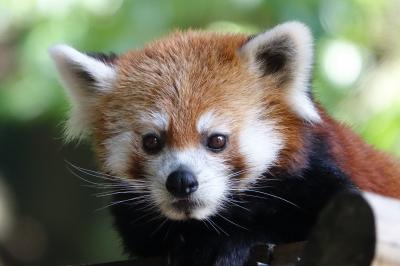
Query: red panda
x: 214, y: 143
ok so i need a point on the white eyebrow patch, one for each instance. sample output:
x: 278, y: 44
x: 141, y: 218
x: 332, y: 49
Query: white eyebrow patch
x: 157, y: 119
x: 211, y: 122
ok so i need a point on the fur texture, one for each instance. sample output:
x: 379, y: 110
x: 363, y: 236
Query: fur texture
x: 283, y: 157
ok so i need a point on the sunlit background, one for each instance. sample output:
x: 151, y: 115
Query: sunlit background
x: 47, y: 216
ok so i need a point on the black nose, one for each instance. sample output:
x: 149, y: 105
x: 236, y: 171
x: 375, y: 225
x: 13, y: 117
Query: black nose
x: 181, y: 183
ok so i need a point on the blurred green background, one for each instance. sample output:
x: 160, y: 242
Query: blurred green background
x: 47, y: 216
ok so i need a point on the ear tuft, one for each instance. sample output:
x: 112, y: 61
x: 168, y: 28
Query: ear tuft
x: 87, y: 70
x: 85, y: 76
x: 108, y: 59
x: 274, y: 49
x: 285, y: 53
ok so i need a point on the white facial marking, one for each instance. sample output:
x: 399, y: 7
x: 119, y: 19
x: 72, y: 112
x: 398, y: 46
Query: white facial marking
x: 211, y: 122
x: 211, y: 174
x: 119, y: 149
x: 259, y: 143
x: 301, y: 38
x: 156, y: 119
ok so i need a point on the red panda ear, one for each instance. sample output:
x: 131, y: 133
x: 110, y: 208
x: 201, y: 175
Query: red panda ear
x: 85, y: 77
x: 285, y: 53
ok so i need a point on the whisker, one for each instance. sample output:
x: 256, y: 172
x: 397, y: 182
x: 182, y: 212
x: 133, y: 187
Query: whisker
x: 210, y: 223
x: 142, y: 216
x: 169, y: 229
x: 106, y: 185
x: 144, y: 200
x: 117, y: 202
x: 108, y: 177
x: 234, y: 174
x: 238, y: 225
x: 214, y: 223
x: 105, y: 194
x: 237, y: 205
x: 256, y: 187
x: 272, y: 196
x: 157, y: 217
x: 97, y: 174
x: 124, y: 190
x: 204, y: 222
x: 159, y: 227
x: 149, y: 205
x: 87, y: 181
x: 90, y: 172
x: 239, y: 201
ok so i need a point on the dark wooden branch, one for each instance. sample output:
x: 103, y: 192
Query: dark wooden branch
x: 353, y: 230
x: 344, y: 234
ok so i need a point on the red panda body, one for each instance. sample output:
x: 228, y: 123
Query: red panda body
x: 371, y: 170
x: 214, y: 143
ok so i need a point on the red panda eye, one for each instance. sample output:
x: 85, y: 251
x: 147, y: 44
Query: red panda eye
x: 152, y: 143
x: 216, y: 142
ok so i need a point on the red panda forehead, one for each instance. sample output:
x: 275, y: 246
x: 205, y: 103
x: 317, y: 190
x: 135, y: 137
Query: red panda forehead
x: 191, y: 57
x: 184, y: 76
x: 186, y: 46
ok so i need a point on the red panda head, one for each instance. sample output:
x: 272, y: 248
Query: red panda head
x: 196, y: 116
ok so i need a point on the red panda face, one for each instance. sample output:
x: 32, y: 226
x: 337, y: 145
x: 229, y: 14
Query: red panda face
x: 195, y: 117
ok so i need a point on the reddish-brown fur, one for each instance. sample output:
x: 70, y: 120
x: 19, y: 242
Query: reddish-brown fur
x: 208, y: 73
x: 370, y: 169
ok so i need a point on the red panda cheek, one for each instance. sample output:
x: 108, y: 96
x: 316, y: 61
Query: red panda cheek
x: 117, y: 150
x: 236, y: 161
x: 237, y: 166
x: 136, y: 167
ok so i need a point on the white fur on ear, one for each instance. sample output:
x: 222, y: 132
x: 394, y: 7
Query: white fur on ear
x: 286, y: 51
x: 84, y: 77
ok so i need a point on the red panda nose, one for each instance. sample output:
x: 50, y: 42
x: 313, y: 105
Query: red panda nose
x: 181, y: 183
